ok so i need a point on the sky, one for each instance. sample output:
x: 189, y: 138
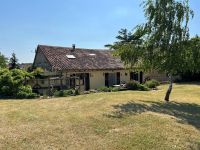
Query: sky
x: 87, y: 23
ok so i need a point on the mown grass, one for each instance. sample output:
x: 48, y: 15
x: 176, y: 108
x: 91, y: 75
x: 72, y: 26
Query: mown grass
x: 114, y: 121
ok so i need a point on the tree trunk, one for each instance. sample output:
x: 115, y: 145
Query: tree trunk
x: 169, y: 89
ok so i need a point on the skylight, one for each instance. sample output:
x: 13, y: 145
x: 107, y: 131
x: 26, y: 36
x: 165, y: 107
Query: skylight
x: 70, y: 56
x: 92, y: 54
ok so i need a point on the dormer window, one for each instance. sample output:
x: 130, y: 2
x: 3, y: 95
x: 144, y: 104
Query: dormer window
x: 71, y: 56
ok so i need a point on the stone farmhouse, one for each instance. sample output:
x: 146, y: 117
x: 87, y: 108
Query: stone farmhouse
x: 71, y: 67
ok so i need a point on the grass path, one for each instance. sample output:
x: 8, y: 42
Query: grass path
x: 114, y: 121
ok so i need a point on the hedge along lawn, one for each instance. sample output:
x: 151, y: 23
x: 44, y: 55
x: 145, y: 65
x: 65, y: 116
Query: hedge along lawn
x: 116, y: 121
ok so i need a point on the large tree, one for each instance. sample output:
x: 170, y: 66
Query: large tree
x: 162, y: 39
x: 3, y: 61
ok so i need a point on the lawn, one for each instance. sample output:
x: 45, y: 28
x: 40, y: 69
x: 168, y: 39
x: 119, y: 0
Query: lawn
x: 114, y: 121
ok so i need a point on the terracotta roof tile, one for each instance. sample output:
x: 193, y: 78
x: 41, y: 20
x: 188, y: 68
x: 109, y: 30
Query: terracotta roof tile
x: 99, y: 60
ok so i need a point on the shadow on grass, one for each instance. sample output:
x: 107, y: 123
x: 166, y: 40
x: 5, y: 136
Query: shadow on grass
x: 184, y: 112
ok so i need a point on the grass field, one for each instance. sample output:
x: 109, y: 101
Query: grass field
x: 113, y: 121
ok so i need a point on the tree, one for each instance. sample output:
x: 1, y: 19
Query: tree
x: 3, y: 61
x: 13, y: 83
x: 14, y: 62
x: 193, y: 54
x: 162, y: 37
x: 37, y: 72
x: 192, y: 60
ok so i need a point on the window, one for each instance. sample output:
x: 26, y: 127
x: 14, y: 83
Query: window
x: 70, y: 56
x: 134, y: 76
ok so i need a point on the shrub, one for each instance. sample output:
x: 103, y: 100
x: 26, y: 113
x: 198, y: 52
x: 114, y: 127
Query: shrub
x: 25, y: 92
x: 64, y: 93
x: 135, y: 85
x: 23, y: 95
x: 58, y: 94
x: 12, y: 84
x: 5, y: 90
x: 143, y: 88
x: 152, y: 84
x: 105, y: 89
x: 116, y: 89
x: 76, y: 92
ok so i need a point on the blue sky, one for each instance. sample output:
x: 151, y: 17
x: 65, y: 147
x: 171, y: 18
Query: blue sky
x: 87, y: 23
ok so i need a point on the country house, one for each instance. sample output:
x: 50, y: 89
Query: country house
x: 71, y: 67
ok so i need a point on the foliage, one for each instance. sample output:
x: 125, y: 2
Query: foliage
x: 189, y: 76
x: 26, y: 92
x: 135, y: 85
x: 104, y: 89
x: 76, y: 92
x: 152, y: 84
x: 64, y: 93
x: 116, y: 89
x: 129, y: 47
x: 108, y: 89
x: 14, y: 62
x: 161, y: 42
x: 192, y: 55
x: 143, y: 88
x: 3, y: 61
x: 13, y: 82
x: 37, y: 72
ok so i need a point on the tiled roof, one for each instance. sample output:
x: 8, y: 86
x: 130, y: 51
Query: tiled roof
x: 85, y: 59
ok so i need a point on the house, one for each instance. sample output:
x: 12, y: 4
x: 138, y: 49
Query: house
x: 69, y: 67
x: 25, y: 66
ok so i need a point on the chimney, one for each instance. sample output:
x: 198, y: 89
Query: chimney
x: 73, y: 47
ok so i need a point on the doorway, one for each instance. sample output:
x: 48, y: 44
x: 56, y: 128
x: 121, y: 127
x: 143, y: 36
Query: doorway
x: 87, y: 81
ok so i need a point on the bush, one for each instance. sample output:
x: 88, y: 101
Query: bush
x: 12, y: 84
x: 116, y: 89
x: 76, y: 92
x: 152, y: 84
x: 23, y: 95
x: 25, y: 92
x: 59, y: 94
x: 64, y: 93
x: 143, y: 88
x: 134, y: 85
x: 105, y: 89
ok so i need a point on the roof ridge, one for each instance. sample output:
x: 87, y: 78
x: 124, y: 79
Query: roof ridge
x: 39, y: 45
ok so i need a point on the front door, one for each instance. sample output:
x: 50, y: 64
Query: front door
x: 107, y: 79
x: 87, y: 81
